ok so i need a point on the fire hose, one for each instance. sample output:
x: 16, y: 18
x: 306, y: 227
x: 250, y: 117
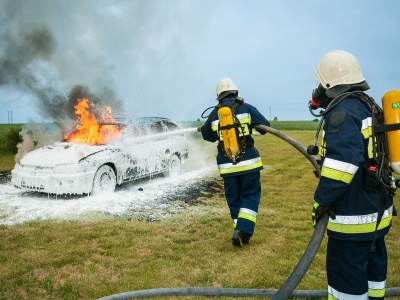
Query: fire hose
x: 287, y: 290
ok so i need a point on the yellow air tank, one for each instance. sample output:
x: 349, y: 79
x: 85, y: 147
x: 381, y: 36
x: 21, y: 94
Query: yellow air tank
x: 229, y: 137
x: 391, y: 114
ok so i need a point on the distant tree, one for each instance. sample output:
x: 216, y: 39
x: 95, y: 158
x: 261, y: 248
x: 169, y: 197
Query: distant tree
x: 275, y: 118
x: 13, y: 139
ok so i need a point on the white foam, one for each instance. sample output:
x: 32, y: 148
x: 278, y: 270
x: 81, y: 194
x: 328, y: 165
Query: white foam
x: 18, y: 207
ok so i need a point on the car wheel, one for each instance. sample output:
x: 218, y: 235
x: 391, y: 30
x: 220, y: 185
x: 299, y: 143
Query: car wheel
x: 174, y: 166
x: 104, y: 180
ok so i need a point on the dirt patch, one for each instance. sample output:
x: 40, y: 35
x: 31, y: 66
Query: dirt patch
x: 193, y: 193
x: 5, y: 177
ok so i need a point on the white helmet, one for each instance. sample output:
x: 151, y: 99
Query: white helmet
x: 225, y: 85
x: 338, y: 67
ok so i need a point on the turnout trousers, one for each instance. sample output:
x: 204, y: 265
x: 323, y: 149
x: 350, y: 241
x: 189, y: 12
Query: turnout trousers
x: 243, y: 193
x: 354, y: 271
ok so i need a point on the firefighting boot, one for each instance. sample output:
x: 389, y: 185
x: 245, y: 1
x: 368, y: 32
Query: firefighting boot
x: 246, y: 238
x: 237, y: 238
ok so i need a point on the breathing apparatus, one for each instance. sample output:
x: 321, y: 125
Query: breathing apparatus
x: 232, y: 141
x: 391, y: 108
x: 385, y: 130
x: 229, y: 127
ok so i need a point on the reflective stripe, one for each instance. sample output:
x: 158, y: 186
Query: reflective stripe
x: 246, y: 117
x: 214, y: 125
x: 322, y: 149
x: 234, y: 223
x: 245, y: 165
x: 370, y: 148
x: 376, y: 288
x: 366, y: 131
x: 244, y: 120
x: 338, y: 170
x: 360, y: 224
x: 366, y: 127
x: 334, y: 294
x: 340, y: 166
x: 248, y: 214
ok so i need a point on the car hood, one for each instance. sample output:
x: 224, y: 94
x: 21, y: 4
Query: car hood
x: 59, y: 154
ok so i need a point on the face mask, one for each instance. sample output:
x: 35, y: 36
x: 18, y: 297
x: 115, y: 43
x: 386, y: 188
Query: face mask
x: 318, y: 97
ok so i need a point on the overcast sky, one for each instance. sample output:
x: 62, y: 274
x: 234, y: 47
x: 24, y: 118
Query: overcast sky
x: 165, y: 57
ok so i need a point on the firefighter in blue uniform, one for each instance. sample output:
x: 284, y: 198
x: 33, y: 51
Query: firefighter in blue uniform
x: 242, y: 177
x: 356, y: 258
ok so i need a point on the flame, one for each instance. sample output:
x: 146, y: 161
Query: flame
x: 90, y: 130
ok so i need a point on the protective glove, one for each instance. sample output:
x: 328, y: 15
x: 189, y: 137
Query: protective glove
x: 319, y: 210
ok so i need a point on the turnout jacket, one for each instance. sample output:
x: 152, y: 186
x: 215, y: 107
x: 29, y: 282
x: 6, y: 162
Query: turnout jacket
x: 248, y: 116
x: 346, y: 147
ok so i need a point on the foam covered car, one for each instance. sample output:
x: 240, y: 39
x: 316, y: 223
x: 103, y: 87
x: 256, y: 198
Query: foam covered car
x: 145, y: 147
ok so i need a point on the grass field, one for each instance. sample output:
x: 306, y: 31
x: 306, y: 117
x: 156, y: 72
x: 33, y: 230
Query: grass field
x: 89, y: 260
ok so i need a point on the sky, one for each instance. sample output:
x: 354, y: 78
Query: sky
x: 165, y: 57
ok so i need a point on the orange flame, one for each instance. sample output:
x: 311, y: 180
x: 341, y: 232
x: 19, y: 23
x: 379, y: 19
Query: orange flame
x: 90, y: 130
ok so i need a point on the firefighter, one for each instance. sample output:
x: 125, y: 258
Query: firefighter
x: 241, y: 171
x: 356, y: 258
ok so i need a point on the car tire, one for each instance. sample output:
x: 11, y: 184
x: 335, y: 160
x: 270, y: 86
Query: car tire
x: 174, y: 166
x: 104, y: 180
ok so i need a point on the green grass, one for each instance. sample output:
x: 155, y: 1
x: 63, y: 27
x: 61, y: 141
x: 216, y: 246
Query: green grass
x: 191, y: 248
x: 7, y: 161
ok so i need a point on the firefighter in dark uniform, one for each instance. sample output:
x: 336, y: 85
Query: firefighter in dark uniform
x: 356, y: 258
x: 242, y: 177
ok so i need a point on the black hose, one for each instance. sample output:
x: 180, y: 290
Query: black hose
x: 305, y: 261
x: 287, y: 290
x: 226, y: 292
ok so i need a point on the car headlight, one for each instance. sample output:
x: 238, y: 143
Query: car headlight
x: 66, y: 169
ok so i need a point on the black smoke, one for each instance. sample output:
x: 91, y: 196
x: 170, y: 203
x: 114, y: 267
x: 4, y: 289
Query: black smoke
x: 26, y: 65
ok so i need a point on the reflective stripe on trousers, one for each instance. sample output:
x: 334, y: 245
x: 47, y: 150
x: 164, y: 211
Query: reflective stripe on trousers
x: 247, y: 214
x: 375, y: 289
x: 334, y: 294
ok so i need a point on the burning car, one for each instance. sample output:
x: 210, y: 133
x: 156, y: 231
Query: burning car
x: 90, y: 161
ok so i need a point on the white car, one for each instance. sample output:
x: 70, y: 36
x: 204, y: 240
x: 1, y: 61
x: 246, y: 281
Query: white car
x: 145, y: 148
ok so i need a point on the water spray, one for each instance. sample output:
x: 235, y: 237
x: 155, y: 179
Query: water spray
x: 165, y: 134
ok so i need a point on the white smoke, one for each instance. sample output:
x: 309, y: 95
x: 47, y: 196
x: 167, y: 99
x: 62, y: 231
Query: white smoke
x: 36, y: 135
